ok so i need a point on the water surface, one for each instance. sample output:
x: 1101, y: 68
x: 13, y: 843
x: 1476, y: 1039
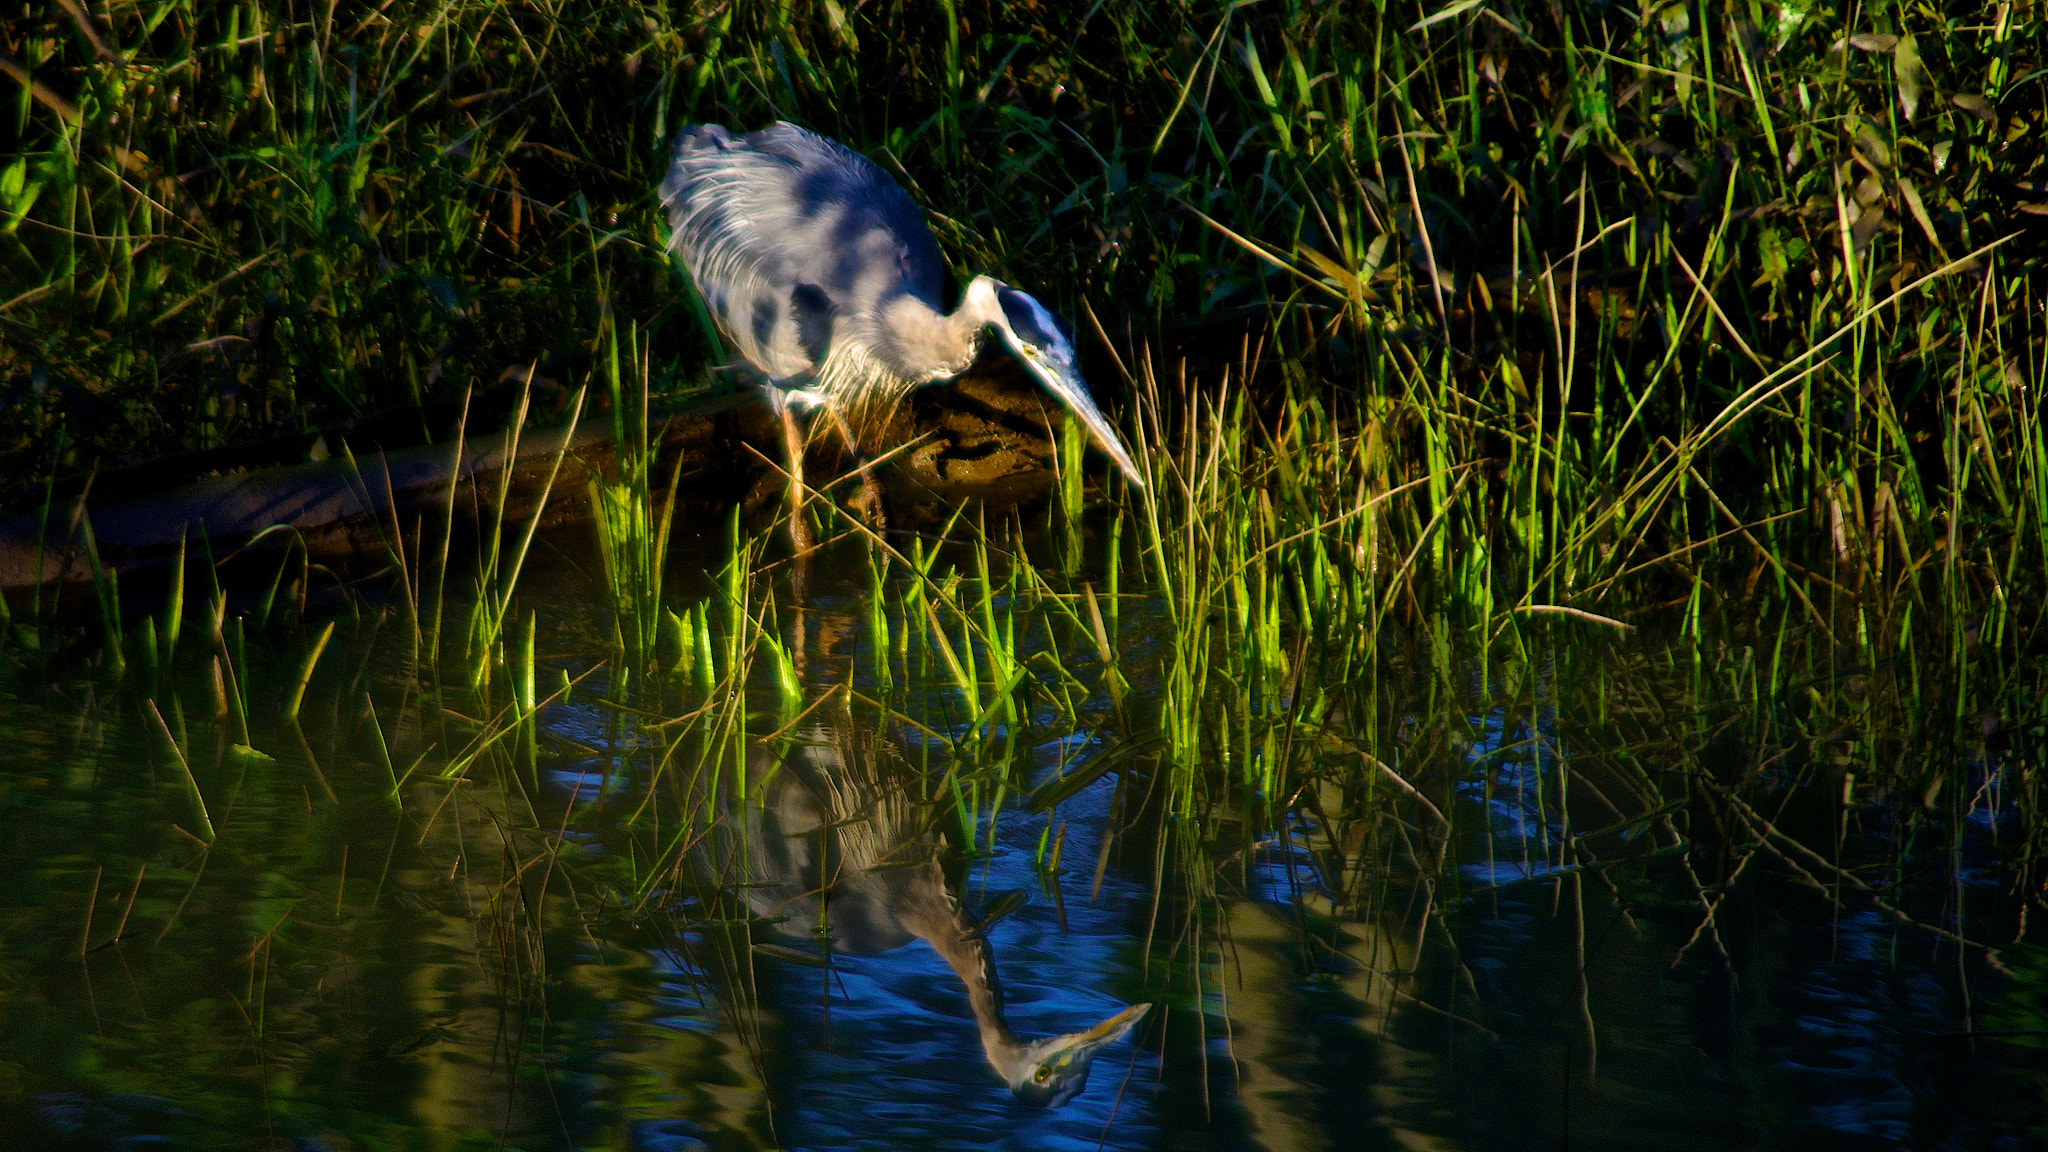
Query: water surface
x: 535, y: 953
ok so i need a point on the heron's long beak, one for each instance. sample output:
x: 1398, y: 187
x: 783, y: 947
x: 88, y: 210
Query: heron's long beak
x: 1055, y: 369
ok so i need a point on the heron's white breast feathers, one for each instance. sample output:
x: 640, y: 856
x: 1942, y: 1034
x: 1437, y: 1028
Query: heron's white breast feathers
x: 852, y: 375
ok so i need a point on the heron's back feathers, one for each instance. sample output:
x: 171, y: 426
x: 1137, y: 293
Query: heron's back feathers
x: 799, y: 247
x: 820, y: 269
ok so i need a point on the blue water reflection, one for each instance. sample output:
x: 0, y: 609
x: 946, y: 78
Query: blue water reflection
x: 886, y: 1045
x: 1322, y: 983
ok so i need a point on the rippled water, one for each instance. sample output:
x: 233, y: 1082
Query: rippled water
x: 343, y: 971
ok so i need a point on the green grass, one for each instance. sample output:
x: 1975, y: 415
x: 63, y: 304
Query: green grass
x: 1728, y: 319
x: 1635, y: 273
x: 1641, y: 431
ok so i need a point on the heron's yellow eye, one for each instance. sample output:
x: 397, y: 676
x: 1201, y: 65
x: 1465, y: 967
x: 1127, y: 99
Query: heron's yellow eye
x: 1039, y: 1076
x: 1031, y: 350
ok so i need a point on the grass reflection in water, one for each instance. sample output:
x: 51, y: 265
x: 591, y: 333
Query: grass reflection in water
x: 563, y: 895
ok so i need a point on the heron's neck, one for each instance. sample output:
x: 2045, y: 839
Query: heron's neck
x: 934, y: 345
x: 949, y: 931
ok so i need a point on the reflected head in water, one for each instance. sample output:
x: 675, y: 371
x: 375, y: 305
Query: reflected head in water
x: 1052, y: 1071
x: 832, y: 845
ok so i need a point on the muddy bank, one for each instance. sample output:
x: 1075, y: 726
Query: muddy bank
x: 985, y: 437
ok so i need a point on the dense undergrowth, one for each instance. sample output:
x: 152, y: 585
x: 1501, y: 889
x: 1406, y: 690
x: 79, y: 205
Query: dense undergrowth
x: 1601, y: 249
x: 1647, y: 445
x: 1637, y: 291
x: 1728, y: 315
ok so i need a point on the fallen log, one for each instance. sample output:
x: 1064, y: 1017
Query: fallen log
x: 986, y: 437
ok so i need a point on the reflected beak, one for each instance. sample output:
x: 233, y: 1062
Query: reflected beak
x: 1055, y: 369
x: 1110, y: 1030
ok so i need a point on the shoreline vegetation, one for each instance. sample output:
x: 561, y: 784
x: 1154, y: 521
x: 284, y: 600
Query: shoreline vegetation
x: 1633, y: 280
x: 1590, y: 449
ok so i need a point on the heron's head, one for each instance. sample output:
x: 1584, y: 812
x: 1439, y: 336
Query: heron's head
x: 1046, y: 346
x: 1052, y: 1071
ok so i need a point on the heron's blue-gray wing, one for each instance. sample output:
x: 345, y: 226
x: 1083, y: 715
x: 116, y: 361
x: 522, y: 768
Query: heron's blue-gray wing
x: 789, y: 235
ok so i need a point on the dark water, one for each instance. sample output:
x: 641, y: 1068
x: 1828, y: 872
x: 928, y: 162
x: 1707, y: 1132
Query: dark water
x: 488, y: 964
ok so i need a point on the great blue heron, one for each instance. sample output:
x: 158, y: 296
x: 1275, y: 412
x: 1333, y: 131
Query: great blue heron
x: 821, y: 270
x: 830, y: 844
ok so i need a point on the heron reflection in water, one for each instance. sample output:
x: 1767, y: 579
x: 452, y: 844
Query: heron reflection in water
x: 821, y: 270
x: 832, y: 846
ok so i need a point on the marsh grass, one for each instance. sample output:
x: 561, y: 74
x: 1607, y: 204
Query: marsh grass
x: 1633, y: 289
x: 632, y: 532
x: 1635, y: 487
x: 1255, y: 699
